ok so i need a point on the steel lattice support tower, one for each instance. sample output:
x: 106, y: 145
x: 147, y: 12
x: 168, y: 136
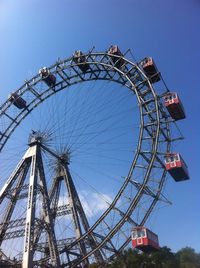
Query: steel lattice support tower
x: 32, y: 164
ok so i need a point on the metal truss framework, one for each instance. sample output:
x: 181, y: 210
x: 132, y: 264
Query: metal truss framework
x: 154, y: 130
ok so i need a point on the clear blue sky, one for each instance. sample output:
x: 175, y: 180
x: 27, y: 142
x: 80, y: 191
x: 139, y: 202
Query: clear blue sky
x: 35, y: 33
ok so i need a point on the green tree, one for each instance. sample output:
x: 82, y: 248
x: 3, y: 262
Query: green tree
x: 188, y: 258
x: 163, y: 258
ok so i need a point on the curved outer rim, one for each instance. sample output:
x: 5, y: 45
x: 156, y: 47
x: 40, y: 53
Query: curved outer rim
x: 106, y: 63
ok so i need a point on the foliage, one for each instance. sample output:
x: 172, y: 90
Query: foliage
x: 188, y: 258
x: 164, y: 258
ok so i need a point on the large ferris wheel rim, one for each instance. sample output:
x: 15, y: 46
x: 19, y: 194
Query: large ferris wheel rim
x: 54, y: 69
x: 27, y: 87
x: 92, y: 59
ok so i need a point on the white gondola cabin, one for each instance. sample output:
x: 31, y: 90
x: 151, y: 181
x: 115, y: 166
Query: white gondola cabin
x: 174, y: 106
x: 144, y: 239
x: 176, y: 166
x: 115, y: 51
x: 150, y: 69
x: 18, y: 101
x: 80, y: 59
x: 47, y: 76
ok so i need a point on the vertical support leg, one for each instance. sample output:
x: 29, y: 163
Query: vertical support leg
x: 78, y: 210
x: 47, y: 217
x: 72, y: 203
x: 53, y: 199
x: 13, y: 201
x: 30, y: 216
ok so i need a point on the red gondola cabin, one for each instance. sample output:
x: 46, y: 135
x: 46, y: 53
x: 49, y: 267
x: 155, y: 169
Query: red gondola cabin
x: 144, y: 239
x: 80, y: 59
x: 47, y: 76
x: 150, y: 69
x: 176, y: 166
x: 174, y: 106
x: 114, y: 50
x: 18, y: 101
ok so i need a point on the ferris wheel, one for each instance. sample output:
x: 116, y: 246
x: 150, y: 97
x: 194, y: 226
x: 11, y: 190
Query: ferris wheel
x: 85, y: 149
